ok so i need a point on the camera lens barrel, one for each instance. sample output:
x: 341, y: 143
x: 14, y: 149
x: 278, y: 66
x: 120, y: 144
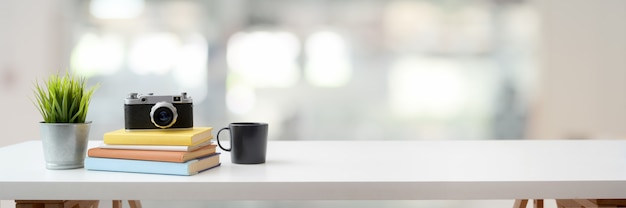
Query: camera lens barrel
x: 163, y: 115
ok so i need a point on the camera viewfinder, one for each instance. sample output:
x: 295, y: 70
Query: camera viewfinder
x: 176, y: 99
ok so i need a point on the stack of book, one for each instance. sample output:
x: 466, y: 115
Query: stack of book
x: 175, y: 152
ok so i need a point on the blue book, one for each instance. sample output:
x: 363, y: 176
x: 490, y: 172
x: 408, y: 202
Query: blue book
x: 191, y: 167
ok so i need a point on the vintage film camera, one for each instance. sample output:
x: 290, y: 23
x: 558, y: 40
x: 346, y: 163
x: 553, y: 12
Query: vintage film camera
x: 144, y: 112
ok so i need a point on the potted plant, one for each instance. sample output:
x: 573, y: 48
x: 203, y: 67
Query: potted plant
x: 63, y: 102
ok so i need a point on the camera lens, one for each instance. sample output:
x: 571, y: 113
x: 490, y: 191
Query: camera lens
x: 163, y: 115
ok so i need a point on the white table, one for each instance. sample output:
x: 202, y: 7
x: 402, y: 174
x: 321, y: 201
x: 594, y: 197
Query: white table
x: 349, y: 170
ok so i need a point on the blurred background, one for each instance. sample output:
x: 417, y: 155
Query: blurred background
x: 332, y: 69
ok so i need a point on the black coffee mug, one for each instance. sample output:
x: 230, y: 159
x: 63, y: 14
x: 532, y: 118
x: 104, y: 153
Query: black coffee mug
x: 248, y: 142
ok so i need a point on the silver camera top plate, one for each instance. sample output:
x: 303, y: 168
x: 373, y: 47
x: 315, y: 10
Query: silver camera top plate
x: 150, y: 98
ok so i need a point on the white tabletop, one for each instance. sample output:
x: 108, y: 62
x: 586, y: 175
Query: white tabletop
x: 328, y: 170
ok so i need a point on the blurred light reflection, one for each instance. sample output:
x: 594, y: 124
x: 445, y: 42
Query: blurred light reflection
x: 191, y: 63
x: 264, y: 59
x: 240, y: 99
x: 116, y: 9
x: 154, y: 53
x: 96, y: 55
x: 427, y: 87
x: 401, y: 69
x: 328, y: 63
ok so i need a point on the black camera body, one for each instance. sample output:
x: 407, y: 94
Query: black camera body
x: 145, y: 112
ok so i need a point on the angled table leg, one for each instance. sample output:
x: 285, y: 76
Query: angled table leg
x: 134, y: 203
x: 520, y: 203
x: 117, y: 203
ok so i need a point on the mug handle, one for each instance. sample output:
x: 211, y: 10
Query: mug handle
x: 218, y: 139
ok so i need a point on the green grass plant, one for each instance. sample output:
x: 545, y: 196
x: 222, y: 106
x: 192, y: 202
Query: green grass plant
x: 63, y: 99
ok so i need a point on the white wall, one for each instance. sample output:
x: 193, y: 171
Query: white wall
x: 29, y: 48
x: 583, y: 70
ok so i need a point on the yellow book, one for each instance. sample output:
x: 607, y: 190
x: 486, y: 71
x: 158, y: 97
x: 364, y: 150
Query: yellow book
x: 187, y: 137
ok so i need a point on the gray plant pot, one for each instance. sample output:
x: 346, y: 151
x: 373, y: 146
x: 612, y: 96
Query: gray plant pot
x: 64, y: 144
